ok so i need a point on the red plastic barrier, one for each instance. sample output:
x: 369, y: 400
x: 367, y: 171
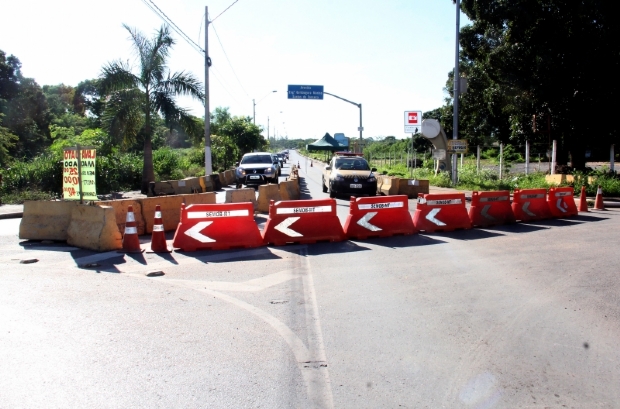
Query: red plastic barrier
x: 491, y: 208
x: 530, y: 204
x: 217, y: 227
x: 561, y: 201
x: 302, y: 221
x: 380, y: 216
x: 441, y: 212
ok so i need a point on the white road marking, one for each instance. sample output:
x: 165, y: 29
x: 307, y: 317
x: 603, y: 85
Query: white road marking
x: 254, y: 285
x: 431, y: 217
x: 283, y: 227
x: 195, y: 234
x: 365, y: 222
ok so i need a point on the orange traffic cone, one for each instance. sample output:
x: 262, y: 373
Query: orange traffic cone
x: 583, y: 204
x: 131, y: 243
x: 158, y: 238
x: 598, y: 203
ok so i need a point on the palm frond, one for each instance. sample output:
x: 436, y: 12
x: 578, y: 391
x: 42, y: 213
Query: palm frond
x: 116, y: 76
x: 181, y: 83
x: 124, y: 115
x: 141, y: 43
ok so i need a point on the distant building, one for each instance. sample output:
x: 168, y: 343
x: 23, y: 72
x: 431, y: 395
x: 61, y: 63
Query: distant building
x: 341, y: 139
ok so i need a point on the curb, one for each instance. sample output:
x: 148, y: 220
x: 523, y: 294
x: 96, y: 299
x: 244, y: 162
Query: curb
x: 16, y: 215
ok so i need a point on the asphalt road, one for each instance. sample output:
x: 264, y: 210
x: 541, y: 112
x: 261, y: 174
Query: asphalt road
x: 525, y: 315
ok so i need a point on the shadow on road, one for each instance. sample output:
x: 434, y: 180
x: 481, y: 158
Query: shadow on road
x: 414, y: 240
x: 467, y: 235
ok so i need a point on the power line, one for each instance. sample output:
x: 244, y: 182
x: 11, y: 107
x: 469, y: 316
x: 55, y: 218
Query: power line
x: 233, y: 3
x: 227, y: 59
x: 176, y: 28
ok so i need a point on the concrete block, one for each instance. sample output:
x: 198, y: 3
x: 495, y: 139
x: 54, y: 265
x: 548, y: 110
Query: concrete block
x: 94, y: 228
x: 266, y: 193
x: 411, y: 187
x: 170, y: 211
x: 390, y: 185
x: 206, y: 183
x: 120, y: 209
x: 229, y: 175
x: 241, y: 196
x: 559, y: 179
x: 163, y: 188
x: 222, y: 177
x: 289, y: 190
x: 44, y: 220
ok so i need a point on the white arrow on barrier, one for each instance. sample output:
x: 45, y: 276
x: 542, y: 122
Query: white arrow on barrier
x: 365, y: 222
x: 524, y: 208
x: 431, y: 217
x: 558, y: 205
x: 195, y: 234
x: 284, y: 227
x: 485, y: 213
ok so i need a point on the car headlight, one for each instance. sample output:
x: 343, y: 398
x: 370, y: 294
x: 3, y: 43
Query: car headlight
x: 269, y: 171
x: 241, y: 171
x: 339, y: 178
x: 371, y: 179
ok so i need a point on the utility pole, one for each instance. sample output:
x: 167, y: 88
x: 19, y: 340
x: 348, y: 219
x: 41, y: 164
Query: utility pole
x: 455, y: 122
x: 208, y: 162
x: 361, y: 128
x: 253, y: 111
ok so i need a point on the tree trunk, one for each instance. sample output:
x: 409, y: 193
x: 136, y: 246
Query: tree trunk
x: 148, y: 175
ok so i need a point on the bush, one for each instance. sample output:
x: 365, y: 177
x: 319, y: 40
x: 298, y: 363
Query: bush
x: 165, y: 162
x: 42, y: 173
x: 118, y: 172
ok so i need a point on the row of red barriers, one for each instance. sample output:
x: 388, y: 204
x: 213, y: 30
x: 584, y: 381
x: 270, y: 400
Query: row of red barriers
x: 231, y: 225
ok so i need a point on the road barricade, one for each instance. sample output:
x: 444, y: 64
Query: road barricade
x: 530, y: 204
x: 217, y: 227
x: 302, y: 221
x: 491, y: 208
x: 561, y: 201
x: 381, y: 216
x: 441, y: 212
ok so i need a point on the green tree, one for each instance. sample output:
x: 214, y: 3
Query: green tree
x: 549, y: 59
x: 135, y: 99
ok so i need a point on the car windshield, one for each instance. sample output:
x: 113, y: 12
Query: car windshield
x: 257, y: 159
x: 351, y: 164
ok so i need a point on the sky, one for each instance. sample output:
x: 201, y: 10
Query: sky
x: 391, y: 56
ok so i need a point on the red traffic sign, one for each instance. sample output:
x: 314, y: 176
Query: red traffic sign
x: 413, y: 120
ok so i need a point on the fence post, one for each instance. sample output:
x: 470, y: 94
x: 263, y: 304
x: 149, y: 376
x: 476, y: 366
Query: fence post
x: 501, y: 160
x: 611, y: 158
x: 527, y: 157
x: 553, y: 157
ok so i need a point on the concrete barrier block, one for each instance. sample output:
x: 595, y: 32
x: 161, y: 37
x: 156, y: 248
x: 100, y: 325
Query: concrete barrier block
x: 162, y: 188
x: 289, y: 190
x: 170, y: 211
x: 206, y: 183
x: 559, y: 179
x: 390, y: 185
x: 94, y: 228
x: 411, y: 187
x: 44, y: 220
x: 266, y: 193
x: 222, y: 176
x: 229, y: 175
x: 241, y: 196
x: 120, y: 209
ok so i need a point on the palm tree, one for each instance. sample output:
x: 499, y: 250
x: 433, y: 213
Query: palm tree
x: 134, y: 100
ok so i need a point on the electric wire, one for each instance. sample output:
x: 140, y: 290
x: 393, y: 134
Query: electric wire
x: 233, y: 3
x: 227, y: 59
x: 153, y: 7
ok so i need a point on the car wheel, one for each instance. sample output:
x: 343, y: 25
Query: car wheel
x: 332, y: 194
x: 324, y: 187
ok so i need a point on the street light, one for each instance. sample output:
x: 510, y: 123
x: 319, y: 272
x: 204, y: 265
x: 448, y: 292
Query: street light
x: 254, y: 105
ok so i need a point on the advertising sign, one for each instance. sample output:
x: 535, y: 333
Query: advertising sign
x: 78, y: 174
x: 457, y: 145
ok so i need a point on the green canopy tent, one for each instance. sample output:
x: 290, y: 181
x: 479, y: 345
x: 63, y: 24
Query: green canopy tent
x: 327, y: 143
